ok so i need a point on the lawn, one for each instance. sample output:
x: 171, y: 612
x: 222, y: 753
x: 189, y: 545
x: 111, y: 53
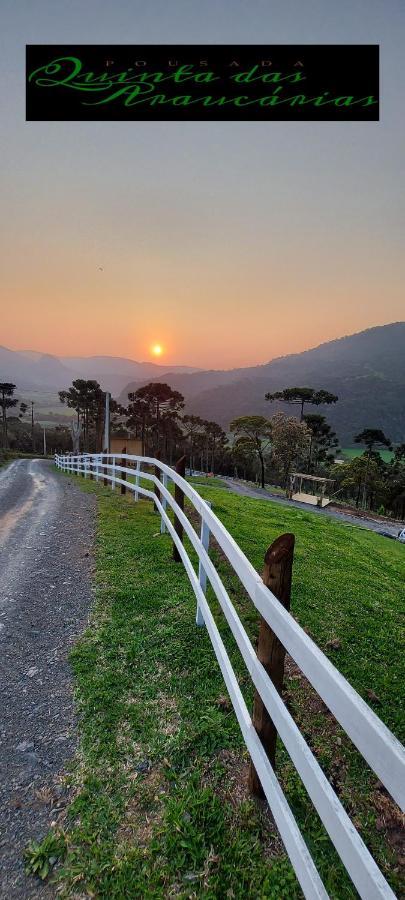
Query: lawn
x: 159, y: 801
x: 352, y: 452
x: 3, y: 459
x: 7, y: 456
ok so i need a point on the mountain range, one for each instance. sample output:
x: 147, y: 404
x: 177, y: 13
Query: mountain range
x: 365, y: 370
x: 31, y: 370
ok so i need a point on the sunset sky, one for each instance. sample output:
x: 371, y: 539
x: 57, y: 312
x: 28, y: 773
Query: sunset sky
x: 226, y: 244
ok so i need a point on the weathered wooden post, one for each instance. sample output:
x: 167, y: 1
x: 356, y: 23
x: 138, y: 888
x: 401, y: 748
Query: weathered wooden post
x: 123, y: 475
x: 179, y: 498
x: 277, y: 575
x: 91, y: 468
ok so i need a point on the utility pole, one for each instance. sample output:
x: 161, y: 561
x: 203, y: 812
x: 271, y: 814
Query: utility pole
x: 32, y: 427
x: 106, y: 446
x: 44, y: 442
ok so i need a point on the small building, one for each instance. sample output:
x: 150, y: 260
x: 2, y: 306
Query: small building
x: 133, y: 446
x: 302, y: 487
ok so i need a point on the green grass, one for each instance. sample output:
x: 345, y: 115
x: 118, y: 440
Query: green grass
x: 8, y: 456
x: 160, y: 806
x: 353, y: 452
x: 213, y: 481
x: 206, y: 481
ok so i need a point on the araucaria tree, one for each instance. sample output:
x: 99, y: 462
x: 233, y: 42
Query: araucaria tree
x: 139, y: 418
x: 155, y: 405
x: 193, y: 430
x: 323, y: 441
x: 206, y: 441
x: 87, y: 398
x: 362, y: 477
x: 215, y: 442
x: 7, y: 401
x: 253, y: 436
x: 302, y: 395
x: 290, y: 442
x: 373, y: 437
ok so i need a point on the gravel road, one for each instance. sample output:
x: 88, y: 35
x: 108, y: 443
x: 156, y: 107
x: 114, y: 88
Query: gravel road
x: 245, y: 490
x: 46, y: 537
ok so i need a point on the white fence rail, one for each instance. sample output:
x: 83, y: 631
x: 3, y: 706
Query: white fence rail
x: 382, y: 751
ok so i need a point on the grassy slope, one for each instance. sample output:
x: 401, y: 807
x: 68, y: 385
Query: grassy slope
x: 7, y: 456
x: 161, y: 808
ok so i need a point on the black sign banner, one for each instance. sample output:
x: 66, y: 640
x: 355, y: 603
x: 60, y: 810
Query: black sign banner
x: 218, y: 82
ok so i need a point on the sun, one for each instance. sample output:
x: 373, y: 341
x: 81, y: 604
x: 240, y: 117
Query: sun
x: 157, y: 349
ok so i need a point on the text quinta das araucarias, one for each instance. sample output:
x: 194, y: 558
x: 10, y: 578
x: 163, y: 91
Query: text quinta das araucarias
x: 133, y: 88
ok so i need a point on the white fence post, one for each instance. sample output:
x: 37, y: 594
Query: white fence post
x: 97, y: 459
x: 113, y: 474
x: 137, y: 471
x: 202, y: 575
x: 164, y: 504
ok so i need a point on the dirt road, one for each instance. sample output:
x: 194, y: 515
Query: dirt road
x: 46, y: 535
x: 245, y: 490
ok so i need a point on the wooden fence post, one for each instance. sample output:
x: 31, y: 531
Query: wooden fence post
x: 277, y: 575
x: 123, y: 475
x: 179, y: 498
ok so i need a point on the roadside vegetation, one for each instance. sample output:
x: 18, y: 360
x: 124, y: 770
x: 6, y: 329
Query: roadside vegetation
x: 7, y: 456
x: 4, y: 458
x: 159, y: 806
x: 257, y: 447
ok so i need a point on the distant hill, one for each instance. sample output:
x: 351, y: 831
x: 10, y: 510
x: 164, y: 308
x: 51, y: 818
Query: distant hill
x: 42, y: 371
x: 39, y: 376
x: 365, y: 370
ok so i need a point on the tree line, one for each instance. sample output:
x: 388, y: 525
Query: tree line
x: 257, y: 448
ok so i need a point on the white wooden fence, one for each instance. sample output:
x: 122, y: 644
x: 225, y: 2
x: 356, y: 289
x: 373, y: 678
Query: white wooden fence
x: 382, y: 751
